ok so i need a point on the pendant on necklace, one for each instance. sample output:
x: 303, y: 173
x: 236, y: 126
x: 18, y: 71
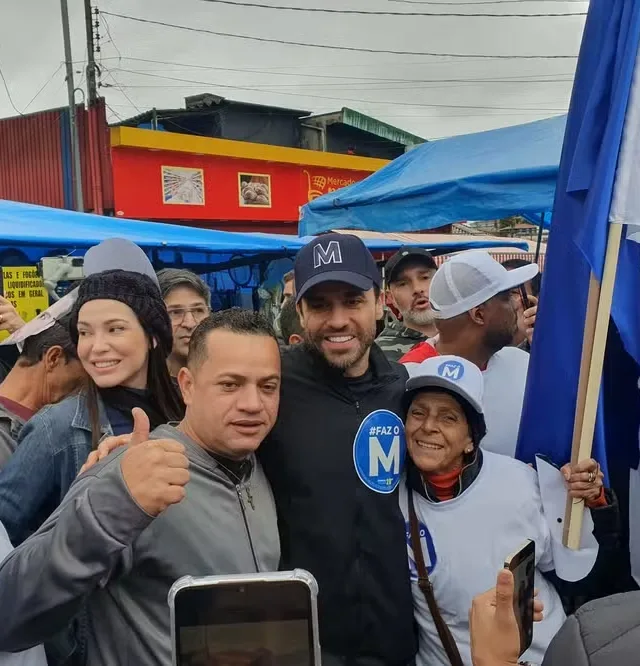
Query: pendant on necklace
x: 249, y: 498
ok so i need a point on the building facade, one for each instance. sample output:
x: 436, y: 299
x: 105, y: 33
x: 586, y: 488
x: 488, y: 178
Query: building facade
x: 215, y: 163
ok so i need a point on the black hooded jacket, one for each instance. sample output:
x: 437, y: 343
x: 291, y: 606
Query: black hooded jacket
x: 351, y: 538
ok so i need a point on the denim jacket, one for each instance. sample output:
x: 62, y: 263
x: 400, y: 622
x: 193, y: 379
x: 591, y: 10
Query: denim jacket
x: 10, y: 426
x: 52, y: 448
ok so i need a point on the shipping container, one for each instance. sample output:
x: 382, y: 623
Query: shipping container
x: 36, y: 164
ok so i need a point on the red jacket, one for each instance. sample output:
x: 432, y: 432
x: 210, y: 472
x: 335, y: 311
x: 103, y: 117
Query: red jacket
x: 418, y: 353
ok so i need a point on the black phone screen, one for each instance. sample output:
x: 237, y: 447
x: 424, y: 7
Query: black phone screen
x: 523, y: 566
x: 252, y: 624
x: 524, y: 297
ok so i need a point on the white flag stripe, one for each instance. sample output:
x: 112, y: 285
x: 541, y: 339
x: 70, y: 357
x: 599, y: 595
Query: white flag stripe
x: 625, y: 204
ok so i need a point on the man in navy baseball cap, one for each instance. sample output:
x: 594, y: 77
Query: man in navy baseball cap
x: 333, y: 481
x: 335, y: 258
x: 338, y: 295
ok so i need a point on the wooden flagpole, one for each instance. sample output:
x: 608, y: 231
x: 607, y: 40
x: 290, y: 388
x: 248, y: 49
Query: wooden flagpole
x: 594, y: 343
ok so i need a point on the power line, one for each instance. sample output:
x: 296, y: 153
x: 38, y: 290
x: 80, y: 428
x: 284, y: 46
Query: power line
x: 308, y: 66
x: 355, y: 79
x: 115, y: 113
x: 385, y: 114
x: 371, y: 84
x: 46, y: 83
x: 360, y: 12
x: 6, y: 87
x: 339, y: 87
x: 108, y: 31
x: 276, y: 69
x: 345, y: 99
x: 119, y: 87
x: 336, y: 47
x: 478, y: 2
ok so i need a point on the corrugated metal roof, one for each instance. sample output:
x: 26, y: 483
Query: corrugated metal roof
x: 147, y: 116
x: 347, y: 116
x: 379, y: 128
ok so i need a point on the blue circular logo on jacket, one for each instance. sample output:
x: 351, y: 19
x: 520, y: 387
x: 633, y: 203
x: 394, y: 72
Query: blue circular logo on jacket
x: 379, y: 451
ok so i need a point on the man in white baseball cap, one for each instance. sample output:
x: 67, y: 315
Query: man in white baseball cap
x: 471, y: 297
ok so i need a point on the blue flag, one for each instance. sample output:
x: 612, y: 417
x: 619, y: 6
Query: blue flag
x: 604, y: 95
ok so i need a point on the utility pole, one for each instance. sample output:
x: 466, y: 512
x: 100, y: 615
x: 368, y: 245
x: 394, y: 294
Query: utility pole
x: 92, y: 88
x: 73, y: 125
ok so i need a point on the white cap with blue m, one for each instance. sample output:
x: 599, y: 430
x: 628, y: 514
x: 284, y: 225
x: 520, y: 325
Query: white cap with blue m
x: 452, y: 373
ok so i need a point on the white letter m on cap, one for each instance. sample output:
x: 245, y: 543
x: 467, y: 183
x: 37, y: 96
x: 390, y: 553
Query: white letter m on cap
x: 451, y: 371
x: 327, y: 255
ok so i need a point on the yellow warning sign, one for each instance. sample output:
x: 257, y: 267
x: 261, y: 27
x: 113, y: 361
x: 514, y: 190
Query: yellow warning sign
x: 23, y: 287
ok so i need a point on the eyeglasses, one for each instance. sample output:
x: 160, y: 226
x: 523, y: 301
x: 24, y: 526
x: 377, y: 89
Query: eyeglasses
x: 177, y: 315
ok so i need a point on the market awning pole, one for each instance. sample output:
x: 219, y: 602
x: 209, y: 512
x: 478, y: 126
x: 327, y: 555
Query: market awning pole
x: 540, y: 229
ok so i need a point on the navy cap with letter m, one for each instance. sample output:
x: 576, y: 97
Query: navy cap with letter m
x: 335, y: 258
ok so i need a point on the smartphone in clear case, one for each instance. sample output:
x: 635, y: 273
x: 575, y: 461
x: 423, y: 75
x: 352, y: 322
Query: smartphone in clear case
x: 260, y: 619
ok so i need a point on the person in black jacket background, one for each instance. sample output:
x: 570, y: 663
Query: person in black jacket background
x: 335, y: 457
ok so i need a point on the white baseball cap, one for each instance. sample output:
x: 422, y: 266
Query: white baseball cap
x: 453, y: 373
x: 470, y: 279
x: 118, y: 254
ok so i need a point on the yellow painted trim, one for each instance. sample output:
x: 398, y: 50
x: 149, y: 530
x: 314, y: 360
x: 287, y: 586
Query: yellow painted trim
x: 130, y: 137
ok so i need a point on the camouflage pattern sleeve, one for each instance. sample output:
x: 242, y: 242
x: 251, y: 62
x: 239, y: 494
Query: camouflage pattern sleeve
x: 396, y: 339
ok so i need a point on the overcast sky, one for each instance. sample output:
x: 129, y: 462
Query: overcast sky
x: 421, y: 94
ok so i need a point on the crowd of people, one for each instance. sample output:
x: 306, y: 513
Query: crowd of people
x: 144, y: 438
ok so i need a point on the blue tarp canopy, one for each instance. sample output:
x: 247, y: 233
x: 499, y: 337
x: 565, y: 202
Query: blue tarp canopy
x: 482, y: 176
x: 27, y: 233
x: 39, y: 231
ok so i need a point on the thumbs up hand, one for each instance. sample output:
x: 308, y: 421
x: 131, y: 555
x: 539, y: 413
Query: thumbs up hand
x: 156, y: 473
x: 140, y: 434
x: 141, y: 429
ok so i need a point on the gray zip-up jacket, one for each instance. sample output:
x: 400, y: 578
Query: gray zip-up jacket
x: 101, y: 550
x: 605, y: 632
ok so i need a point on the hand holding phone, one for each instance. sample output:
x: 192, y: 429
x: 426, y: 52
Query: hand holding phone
x: 522, y: 565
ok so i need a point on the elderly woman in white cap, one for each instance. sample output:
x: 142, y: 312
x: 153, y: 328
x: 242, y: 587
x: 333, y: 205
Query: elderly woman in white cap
x: 473, y: 509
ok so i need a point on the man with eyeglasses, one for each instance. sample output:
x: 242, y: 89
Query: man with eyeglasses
x: 188, y: 301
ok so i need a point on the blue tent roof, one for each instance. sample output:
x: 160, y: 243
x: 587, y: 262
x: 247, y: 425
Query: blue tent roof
x: 38, y: 231
x: 482, y: 176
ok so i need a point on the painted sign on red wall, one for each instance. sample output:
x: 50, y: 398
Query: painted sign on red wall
x: 164, y: 185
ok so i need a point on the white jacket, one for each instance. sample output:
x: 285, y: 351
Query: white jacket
x: 465, y: 542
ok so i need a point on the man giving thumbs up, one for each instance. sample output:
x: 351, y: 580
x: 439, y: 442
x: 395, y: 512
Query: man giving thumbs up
x: 186, y: 499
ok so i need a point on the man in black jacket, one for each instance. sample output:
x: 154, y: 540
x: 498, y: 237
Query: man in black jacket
x: 335, y: 458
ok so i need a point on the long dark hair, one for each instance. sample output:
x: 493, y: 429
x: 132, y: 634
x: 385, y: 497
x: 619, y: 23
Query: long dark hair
x: 163, y: 393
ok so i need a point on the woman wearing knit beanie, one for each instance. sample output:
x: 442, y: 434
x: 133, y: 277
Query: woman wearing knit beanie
x: 123, y: 336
